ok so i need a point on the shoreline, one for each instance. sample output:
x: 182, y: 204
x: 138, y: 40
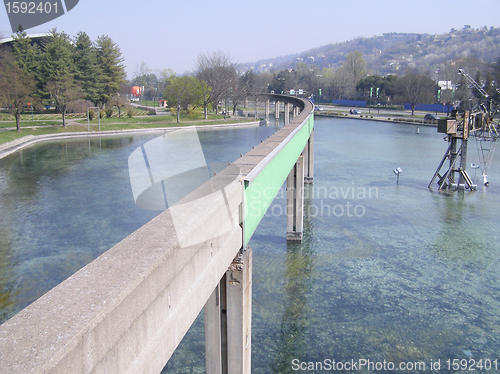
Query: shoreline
x: 398, y: 120
x: 15, y: 145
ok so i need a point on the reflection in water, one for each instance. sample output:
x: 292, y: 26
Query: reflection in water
x: 297, y: 288
x: 417, y: 277
x: 64, y: 203
x: 463, y: 239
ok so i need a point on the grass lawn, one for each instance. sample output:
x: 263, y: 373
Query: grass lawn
x: 111, y: 124
x: 6, y: 124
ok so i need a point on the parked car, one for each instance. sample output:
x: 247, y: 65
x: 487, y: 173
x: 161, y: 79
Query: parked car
x: 430, y: 118
x: 354, y: 111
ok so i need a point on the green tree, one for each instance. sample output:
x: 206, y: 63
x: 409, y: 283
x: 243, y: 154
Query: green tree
x: 112, y: 70
x: 180, y: 92
x: 367, y: 87
x: 57, y: 59
x: 283, y: 81
x: 26, y: 54
x: 57, y: 72
x: 16, y: 86
x: 87, y: 69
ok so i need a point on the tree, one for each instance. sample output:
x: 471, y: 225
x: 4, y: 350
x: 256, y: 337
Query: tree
x: 25, y: 54
x: 181, y: 92
x: 63, y: 91
x: 496, y: 77
x: 120, y: 102
x: 415, y: 88
x: 16, y: 86
x: 219, y: 73
x: 87, y: 69
x: 144, y: 77
x: 352, y: 70
x: 57, y: 59
x: 57, y: 72
x: 112, y: 73
x: 205, y: 91
x: 367, y: 87
x: 254, y: 85
x: 283, y: 81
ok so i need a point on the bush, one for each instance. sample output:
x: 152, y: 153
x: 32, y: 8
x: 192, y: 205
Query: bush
x: 78, y: 106
x: 109, y: 113
x: 152, y: 112
x: 91, y: 115
x: 130, y: 113
x: 101, y: 113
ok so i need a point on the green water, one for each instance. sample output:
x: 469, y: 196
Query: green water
x: 412, y: 277
x: 62, y: 204
x: 386, y: 271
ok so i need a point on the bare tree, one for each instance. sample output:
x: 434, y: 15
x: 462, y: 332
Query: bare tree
x: 219, y: 73
x: 63, y: 91
x: 119, y: 102
x: 16, y: 86
x: 415, y: 88
x: 352, y: 70
x: 254, y: 85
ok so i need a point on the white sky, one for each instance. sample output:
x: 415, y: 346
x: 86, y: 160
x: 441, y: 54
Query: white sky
x: 171, y: 34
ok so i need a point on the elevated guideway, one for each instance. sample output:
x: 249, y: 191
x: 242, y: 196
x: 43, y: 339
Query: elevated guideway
x: 127, y: 311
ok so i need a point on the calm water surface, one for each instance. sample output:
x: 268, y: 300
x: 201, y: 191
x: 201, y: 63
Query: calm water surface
x: 62, y: 204
x: 386, y: 271
x: 414, y: 276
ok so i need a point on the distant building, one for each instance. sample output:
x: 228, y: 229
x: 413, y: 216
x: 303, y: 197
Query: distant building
x: 35, y: 39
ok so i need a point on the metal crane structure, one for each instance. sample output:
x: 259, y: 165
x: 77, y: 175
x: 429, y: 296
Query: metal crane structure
x: 478, y: 122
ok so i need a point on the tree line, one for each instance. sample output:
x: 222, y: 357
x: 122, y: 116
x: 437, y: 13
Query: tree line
x: 217, y: 80
x: 61, y: 71
x: 64, y: 70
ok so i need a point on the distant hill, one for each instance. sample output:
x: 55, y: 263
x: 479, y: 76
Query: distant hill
x: 392, y: 53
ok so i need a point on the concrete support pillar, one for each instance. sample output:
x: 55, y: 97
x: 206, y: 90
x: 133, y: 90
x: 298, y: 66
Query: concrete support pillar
x: 309, y: 159
x: 287, y: 113
x: 295, y: 111
x: 239, y: 314
x: 267, y: 111
x: 213, y: 336
x: 228, y: 323
x: 277, y: 110
x: 295, y: 201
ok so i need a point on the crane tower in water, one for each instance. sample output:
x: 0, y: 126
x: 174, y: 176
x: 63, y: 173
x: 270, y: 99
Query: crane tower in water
x: 479, y: 122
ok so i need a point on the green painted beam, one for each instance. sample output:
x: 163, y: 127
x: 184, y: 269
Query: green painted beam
x: 264, y: 182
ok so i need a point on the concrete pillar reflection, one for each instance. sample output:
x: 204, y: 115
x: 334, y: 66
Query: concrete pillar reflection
x: 287, y: 113
x: 213, y: 344
x: 228, y: 333
x: 309, y: 159
x: 295, y: 201
x: 267, y: 110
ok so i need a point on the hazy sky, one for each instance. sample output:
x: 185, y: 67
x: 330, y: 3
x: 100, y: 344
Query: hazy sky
x: 171, y: 34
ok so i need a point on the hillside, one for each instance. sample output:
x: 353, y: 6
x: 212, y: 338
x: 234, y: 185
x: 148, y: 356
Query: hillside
x: 391, y: 53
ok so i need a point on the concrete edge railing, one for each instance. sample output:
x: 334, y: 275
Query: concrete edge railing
x: 127, y: 310
x: 26, y: 141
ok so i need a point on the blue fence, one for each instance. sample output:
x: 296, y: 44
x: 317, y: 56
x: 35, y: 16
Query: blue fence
x: 441, y: 108
x: 349, y: 102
